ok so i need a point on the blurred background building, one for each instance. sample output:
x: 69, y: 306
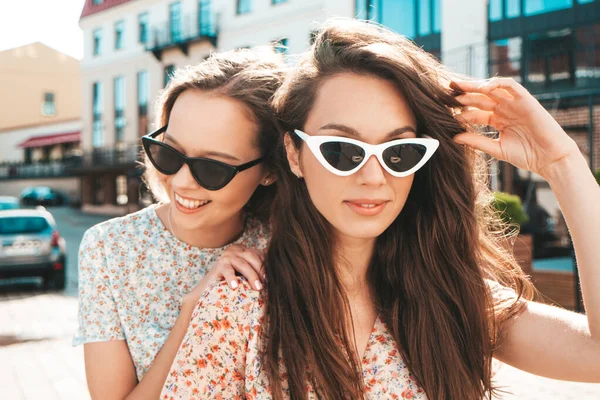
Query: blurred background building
x: 40, y: 118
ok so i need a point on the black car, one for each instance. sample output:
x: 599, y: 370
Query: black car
x: 41, y: 196
x: 30, y: 246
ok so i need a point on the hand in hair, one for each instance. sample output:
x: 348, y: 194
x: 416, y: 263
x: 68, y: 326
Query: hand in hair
x: 529, y: 137
x: 235, y: 259
x: 544, y: 340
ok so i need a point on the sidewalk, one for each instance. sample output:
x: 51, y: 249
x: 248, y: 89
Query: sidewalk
x: 37, y: 361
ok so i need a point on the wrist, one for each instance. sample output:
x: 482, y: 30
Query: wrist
x: 565, y: 168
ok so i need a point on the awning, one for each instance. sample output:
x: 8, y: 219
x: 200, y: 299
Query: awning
x: 49, y: 140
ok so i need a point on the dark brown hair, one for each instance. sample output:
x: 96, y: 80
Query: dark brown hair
x: 429, y: 268
x: 248, y: 75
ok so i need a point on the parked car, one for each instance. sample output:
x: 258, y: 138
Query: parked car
x: 31, y: 246
x: 41, y: 196
x: 9, y: 203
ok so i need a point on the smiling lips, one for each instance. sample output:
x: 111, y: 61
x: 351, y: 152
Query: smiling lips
x: 189, y: 204
x: 366, y: 207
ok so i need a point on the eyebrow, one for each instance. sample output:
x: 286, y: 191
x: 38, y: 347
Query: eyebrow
x: 353, y: 132
x: 207, y: 154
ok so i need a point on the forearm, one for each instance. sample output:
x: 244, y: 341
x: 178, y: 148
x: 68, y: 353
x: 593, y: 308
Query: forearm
x: 151, y: 384
x: 578, y: 194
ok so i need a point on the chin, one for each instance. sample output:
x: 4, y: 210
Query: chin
x: 363, y: 230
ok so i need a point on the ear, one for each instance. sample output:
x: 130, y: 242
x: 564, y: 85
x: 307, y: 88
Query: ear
x: 268, y: 179
x: 293, y: 155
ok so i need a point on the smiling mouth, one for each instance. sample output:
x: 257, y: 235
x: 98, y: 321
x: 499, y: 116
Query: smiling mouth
x: 190, y: 204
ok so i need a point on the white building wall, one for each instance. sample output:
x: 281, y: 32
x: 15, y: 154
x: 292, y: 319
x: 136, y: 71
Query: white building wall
x: 464, y: 36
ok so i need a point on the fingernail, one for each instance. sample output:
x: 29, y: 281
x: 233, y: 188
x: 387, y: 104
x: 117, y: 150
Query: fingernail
x: 234, y: 284
x: 257, y: 285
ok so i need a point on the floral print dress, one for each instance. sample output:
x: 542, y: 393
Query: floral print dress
x: 219, y: 356
x: 133, y: 274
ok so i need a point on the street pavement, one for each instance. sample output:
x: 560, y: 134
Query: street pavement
x: 37, y: 361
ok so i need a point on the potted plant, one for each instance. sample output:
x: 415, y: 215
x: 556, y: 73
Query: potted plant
x: 597, y: 174
x: 511, y: 211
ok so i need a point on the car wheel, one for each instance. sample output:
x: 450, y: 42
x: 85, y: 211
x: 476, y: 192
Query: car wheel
x: 55, y: 281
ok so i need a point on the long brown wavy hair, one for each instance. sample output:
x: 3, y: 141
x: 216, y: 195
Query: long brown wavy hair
x: 248, y: 75
x: 429, y: 268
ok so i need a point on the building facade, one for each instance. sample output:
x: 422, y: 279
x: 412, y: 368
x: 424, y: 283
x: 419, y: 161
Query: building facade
x: 131, y: 47
x: 40, y: 122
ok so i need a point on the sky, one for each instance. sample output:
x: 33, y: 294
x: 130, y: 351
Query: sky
x: 52, y: 22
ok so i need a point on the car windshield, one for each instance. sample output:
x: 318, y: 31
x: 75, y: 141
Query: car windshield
x: 14, y: 225
x: 8, y: 205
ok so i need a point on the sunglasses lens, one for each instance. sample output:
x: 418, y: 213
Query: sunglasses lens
x: 342, y: 156
x: 212, y: 175
x: 403, y: 157
x: 166, y: 160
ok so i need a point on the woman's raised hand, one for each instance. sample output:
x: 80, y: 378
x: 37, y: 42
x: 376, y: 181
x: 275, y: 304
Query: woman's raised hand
x: 529, y: 137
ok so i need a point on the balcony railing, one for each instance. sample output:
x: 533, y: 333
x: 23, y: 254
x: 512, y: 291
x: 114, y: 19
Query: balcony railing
x: 192, y: 27
x: 123, y: 156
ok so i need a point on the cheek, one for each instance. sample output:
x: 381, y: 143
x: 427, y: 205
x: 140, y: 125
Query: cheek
x: 401, y: 187
x: 239, y: 190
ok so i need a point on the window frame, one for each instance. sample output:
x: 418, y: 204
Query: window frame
x: 120, y: 34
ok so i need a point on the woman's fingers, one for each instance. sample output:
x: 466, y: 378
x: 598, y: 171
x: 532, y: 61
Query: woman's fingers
x: 254, y: 258
x: 488, y: 86
x: 482, y: 143
x: 228, y: 273
x: 243, y: 267
x: 478, y: 100
x: 476, y: 116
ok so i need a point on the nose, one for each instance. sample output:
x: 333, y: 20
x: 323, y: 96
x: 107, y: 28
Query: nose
x: 372, y: 173
x: 183, y: 179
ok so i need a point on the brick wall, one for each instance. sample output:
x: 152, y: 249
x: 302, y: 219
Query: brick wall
x: 576, y: 120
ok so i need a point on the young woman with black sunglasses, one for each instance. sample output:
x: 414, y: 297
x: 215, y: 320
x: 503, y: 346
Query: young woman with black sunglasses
x: 210, y: 165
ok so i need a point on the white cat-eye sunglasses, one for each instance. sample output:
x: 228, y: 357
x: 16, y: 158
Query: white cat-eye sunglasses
x: 343, y: 156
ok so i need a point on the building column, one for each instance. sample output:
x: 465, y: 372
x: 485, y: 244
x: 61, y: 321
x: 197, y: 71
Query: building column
x: 110, y: 190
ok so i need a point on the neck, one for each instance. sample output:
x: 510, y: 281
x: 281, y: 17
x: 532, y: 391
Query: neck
x: 213, y: 236
x: 354, y: 256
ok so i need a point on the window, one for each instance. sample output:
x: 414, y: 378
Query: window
x: 142, y: 101
x: 175, y: 21
x: 410, y: 18
x: 121, y: 188
x: 97, y: 41
x: 204, y: 18
x: 513, y: 8
x: 585, y: 1
x: 534, y: 7
x: 48, y: 106
x: 97, y: 109
x: 437, y: 16
x: 551, y: 60
x: 143, y: 27
x: 119, y: 93
x: 399, y: 16
x: 119, y: 34
x: 495, y: 10
x: 505, y: 57
x: 424, y: 17
x: 169, y: 71
x: 281, y: 45
x: 244, y: 6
